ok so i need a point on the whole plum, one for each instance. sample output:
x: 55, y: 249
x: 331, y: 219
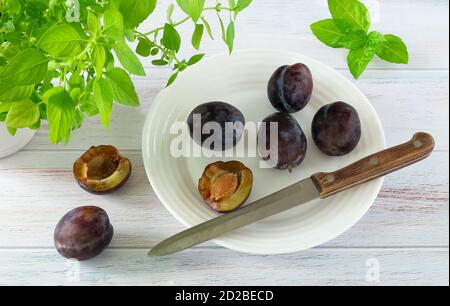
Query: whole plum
x: 336, y: 129
x: 292, y: 144
x: 83, y: 233
x: 216, y: 114
x: 290, y: 88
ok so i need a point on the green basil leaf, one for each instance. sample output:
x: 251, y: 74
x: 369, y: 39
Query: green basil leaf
x: 393, y: 50
x: 15, y: 93
x: 195, y: 59
x: 208, y: 28
x: 61, y: 41
x: 60, y: 115
x: 14, y: 7
x: 90, y: 108
x: 197, y: 36
x: 193, y: 8
x: 122, y: 87
x: 328, y: 32
x: 376, y: 38
x: 242, y: 5
x: 113, y: 24
x: 36, y: 126
x: 99, y: 59
x: 172, y: 79
x: 354, y: 40
x: 358, y: 59
x: 3, y: 117
x: 22, y: 114
x: 144, y: 47
x: 222, y: 28
x: 155, y: 51
x: 27, y: 68
x: 160, y: 62
x: 128, y: 59
x: 77, y: 120
x: 230, y: 36
x: 351, y: 11
x: 11, y: 131
x: 171, y: 38
x: 93, y: 23
x: 103, y: 95
x: 136, y: 11
x: 5, y: 107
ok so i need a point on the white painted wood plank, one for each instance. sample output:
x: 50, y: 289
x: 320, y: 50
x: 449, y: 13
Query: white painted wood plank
x: 225, y: 268
x: 284, y: 24
x: 38, y: 189
x: 406, y: 101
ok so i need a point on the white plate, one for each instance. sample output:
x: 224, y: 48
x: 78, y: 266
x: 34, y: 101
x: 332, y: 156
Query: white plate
x: 11, y: 144
x: 241, y: 80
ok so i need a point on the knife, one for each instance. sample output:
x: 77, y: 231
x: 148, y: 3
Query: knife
x: 320, y: 185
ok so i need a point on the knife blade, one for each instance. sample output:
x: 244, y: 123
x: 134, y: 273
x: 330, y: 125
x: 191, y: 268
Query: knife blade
x: 320, y: 185
x: 273, y: 204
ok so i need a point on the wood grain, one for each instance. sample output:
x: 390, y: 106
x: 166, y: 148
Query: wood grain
x: 375, y: 166
x: 38, y: 188
x: 406, y: 230
x: 207, y: 266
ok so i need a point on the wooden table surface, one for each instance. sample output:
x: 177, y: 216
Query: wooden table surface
x: 404, y: 236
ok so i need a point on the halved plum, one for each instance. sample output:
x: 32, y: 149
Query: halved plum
x: 225, y: 186
x: 102, y: 170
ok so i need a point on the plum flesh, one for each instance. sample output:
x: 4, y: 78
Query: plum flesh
x: 225, y: 186
x: 102, y: 170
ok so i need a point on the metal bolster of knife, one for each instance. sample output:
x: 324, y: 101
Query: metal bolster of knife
x: 375, y: 166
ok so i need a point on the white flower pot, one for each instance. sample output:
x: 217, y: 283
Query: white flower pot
x: 11, y: 144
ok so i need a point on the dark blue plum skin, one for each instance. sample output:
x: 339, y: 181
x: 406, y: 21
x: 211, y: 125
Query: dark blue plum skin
x: 336, y: 129
x: 292, y: 143
x: 290, y: 88
x: 221, y: 113
x: 83, y: 233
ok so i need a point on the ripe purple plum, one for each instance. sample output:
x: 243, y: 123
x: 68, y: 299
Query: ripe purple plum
x: 223, y: 115
x: 290, y: 88
x: 290, y: 151
x: 83, y: 233
x: 336, y: 129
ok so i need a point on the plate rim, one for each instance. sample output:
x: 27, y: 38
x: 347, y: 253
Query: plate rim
x: 229, y: 245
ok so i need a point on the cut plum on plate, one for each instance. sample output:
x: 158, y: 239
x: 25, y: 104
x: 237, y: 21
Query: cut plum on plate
x: 102, y: 170
x: 225, y: 186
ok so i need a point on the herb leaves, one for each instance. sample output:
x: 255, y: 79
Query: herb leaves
x: 61, y: 62
x: 349, y: 28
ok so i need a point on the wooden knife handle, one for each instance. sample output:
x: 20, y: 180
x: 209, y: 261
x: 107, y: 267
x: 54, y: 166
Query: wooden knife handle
x: 375, y: 166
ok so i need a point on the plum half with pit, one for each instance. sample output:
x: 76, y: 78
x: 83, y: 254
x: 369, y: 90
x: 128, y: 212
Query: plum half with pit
x: 216, y: 125
x: 290, y: 88
x: 225, y: 186
x: 336, y: 129
x: 102, y: 170
x: 83, y: 233
x: 281, y: 141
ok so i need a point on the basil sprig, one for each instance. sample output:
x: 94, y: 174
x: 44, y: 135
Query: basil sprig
x: 349, y: 28
x: 62, y: 60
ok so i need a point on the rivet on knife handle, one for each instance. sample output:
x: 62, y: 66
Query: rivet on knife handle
x: 375, y: 166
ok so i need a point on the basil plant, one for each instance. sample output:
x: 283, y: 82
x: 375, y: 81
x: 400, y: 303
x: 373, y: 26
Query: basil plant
x: 63, y: 60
